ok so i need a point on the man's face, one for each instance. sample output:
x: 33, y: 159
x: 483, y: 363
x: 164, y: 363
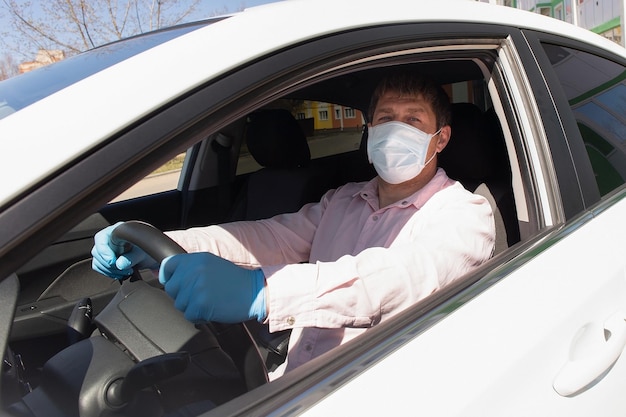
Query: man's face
x: 415, y: 111
x: 412, y: 110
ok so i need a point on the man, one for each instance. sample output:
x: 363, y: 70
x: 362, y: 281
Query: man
x: 338, y: 267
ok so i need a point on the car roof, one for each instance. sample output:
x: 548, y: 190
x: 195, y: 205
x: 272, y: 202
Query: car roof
x: 92, y: 110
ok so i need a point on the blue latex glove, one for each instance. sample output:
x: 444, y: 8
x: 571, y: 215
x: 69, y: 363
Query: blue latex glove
x: 114, y: 260
x: 206, y: 288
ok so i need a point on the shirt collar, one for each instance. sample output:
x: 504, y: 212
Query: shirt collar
x: 369, y: 191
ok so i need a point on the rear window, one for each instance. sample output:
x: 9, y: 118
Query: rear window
x: 330, y: 129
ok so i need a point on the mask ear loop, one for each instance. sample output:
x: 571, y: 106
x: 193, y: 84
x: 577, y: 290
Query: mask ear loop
x: 430, y: 159
x: 435, y: 153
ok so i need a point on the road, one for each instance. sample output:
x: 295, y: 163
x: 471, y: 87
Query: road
x: 321, y: 145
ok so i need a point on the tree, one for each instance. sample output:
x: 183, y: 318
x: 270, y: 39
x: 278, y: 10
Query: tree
x: 8, y: 67
x: 77, y: 25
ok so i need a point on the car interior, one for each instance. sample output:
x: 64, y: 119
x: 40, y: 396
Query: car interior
x: 287, y: 164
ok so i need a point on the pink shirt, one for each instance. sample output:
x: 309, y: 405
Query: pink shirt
x: 337, y: 267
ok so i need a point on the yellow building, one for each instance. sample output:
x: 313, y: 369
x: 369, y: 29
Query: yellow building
x: 43, y: 58
x: 327, y: 116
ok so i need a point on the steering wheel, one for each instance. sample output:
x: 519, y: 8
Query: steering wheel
x: 145, y: 358
x: 154, y: 242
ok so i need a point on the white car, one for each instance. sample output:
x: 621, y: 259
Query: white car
x: 539, y: 126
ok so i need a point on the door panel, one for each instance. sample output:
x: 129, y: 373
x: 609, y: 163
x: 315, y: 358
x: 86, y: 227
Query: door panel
x: 501, y: 353
x: 166, y: 216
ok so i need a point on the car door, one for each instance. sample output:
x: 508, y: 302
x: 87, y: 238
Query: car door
x: 543, y: 331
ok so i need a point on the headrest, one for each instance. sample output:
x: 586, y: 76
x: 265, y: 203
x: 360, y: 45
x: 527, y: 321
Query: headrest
x: 470, y: 152
x: 276, y: 140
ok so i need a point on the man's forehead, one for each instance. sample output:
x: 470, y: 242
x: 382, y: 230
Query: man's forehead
x: 413, y: 103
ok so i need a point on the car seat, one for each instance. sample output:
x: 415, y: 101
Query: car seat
x: 476, y: 157
x: 287, y: 180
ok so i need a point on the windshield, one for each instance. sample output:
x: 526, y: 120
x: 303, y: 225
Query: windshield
x: 23, y: 90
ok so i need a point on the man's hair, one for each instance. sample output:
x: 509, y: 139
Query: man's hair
x: 413, y: 84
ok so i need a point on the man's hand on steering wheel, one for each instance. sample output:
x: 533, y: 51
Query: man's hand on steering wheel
x: 206, y: 288
x: 116, y: 258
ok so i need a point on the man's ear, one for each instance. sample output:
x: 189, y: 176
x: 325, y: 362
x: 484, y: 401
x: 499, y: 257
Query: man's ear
x: 444, y: 138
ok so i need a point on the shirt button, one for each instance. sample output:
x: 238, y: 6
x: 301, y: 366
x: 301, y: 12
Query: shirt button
x: 375, y: 218
x: 404, y: 203
x: 291, y: 320
x: 308, y: 348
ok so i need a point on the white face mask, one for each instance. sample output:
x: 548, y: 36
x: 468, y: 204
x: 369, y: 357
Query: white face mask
x: 398, y: 151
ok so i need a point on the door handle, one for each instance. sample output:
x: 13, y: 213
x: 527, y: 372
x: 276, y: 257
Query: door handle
x: 594, y: 350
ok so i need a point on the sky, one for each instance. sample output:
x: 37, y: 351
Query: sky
x: 207, y: 8
x: 231, y: 5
